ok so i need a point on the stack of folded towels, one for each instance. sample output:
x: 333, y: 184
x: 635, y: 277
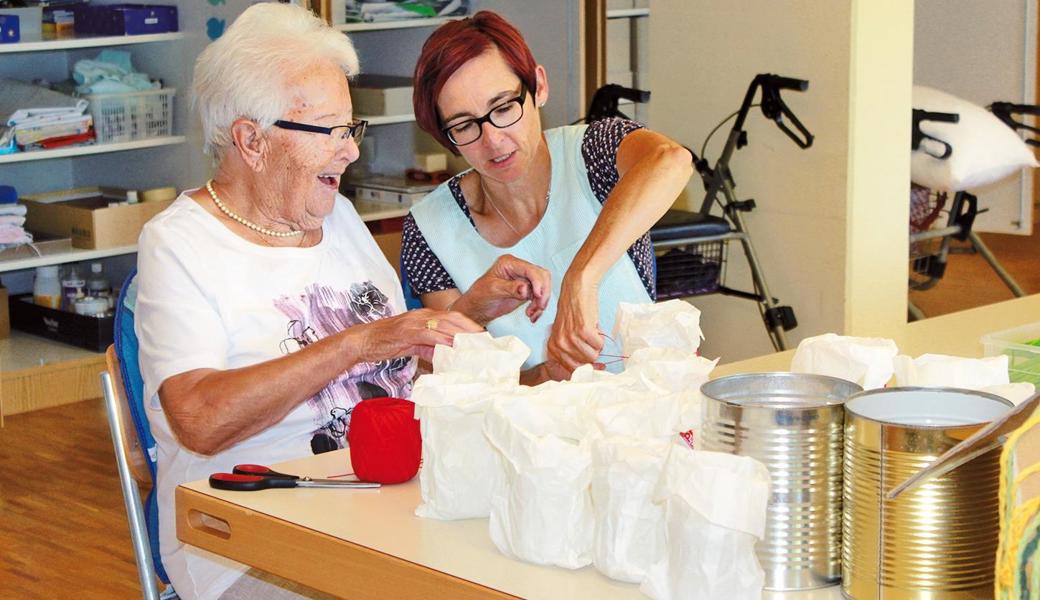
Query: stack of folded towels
x: 42, y: 118
x: 12, y: 218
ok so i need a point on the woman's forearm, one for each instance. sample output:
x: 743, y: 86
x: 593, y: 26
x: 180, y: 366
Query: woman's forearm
x: 210, y: 410
x: 642, y: 195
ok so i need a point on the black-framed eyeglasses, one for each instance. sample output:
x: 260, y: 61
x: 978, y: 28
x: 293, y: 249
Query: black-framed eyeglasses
x: 355, y: 129
x: 501, y: 116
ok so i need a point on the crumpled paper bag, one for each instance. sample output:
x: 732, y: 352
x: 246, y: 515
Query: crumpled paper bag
x: 940, y: 370
x: 460, y: 468
x: 1016, y: 393
x: 541, y: 511
x: 480, y: 357
x: 627, y: 404
x: 989, y: 374
x: 715, y: 512
x: 630, y: 527
x: 675, y: 324
x: 864, y: 361
x: 678, y: 372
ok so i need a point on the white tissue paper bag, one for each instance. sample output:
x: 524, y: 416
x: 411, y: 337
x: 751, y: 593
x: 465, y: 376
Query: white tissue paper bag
x: 541, y: 511
x: 460, y: 468
x: 480, y: 357
x: 864, y: 361
x: 715, y: 512
x: 989, y: 374
x: 675, y: 324
x: 629, y: 525
x: 940, y: 370
x: 678, y: 372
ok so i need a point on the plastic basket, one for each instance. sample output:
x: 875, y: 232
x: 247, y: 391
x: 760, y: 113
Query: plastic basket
x: 132, y: 116
x: 1023, y: 357
x: 691, y: 270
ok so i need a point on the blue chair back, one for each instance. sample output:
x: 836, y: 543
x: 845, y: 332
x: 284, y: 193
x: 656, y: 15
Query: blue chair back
x: 126, y: 345
x: 411, y: 301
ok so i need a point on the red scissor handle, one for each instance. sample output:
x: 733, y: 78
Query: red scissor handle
x: 236, y: 482
x: 261, y: 470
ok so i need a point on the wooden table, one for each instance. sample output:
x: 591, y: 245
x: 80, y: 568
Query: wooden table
x: 367, y: 544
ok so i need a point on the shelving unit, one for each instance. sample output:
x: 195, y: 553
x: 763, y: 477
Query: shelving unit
x: 92, y: 149
x: 626, y: 13
x: 626, y: 53
x: 36, y: 372
x: 387, y: 119
x: 89, y: 42
x: 402, y: 24
x: 59, y: 256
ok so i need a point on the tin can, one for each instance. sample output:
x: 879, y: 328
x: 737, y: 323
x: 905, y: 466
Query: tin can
x: 938, y: 540
x: 792, y: 423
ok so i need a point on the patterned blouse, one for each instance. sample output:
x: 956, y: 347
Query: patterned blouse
x: 599, y: 149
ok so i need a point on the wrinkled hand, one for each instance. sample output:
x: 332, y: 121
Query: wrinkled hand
x: 575, y: 339
x: 507, y: 284
x: 414, y: 333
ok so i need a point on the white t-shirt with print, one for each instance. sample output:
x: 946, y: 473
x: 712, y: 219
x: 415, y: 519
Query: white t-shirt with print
x: 208, y: 298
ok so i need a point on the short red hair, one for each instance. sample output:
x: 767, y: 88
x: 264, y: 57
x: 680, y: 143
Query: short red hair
x: 454, y: 44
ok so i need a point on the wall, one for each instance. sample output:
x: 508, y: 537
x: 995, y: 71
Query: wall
x: 826, y: 212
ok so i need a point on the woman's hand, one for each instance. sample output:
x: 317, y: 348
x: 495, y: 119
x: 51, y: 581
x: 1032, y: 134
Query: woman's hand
x: 507, y: 284
x: 414, y: 333
x: 575, y: 339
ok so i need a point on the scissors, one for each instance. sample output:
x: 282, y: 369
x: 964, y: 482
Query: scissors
x: 250, y: 478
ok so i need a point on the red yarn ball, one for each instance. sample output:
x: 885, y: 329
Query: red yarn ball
x: 384, y: 439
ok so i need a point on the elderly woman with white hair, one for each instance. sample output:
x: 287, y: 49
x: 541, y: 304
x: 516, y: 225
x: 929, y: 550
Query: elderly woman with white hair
x: 265, y: 310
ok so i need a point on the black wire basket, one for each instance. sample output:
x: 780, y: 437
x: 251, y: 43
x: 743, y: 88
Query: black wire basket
x: 691, y: 270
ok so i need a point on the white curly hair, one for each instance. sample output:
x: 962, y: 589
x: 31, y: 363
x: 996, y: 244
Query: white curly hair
x: 244, y: 73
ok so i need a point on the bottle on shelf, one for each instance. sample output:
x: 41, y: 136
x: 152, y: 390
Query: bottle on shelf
x: 73, y: 287
x: 47, y: 287
x: 98, y: 286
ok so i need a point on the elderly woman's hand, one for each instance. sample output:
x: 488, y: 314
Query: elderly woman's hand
x: 507, y: 284
x: 414, y: 333
x: 575, y: 339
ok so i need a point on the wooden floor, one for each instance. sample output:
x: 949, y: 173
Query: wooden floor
x: 971, y: 282
x: 63, y: 530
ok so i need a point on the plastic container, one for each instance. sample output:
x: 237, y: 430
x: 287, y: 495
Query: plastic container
x: 90, y: 306
x: 133, y: 115
x: 1023, y: 358
x: 98, y: 285
x: 73, y: 287
x: 47, y: 287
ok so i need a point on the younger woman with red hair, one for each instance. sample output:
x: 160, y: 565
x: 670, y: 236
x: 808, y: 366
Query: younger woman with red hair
x: 558, y: 217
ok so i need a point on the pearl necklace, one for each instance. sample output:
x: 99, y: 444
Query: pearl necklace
x: 243, y: 221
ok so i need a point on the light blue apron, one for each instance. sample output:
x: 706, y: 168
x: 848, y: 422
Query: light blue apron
x: 552, y: 244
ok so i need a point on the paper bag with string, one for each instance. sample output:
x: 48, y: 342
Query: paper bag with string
x: 541, y: 511
x: 715, y: 507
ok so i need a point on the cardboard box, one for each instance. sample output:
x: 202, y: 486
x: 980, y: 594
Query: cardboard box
x: 95, y: 218
x: 381, y: 95
x: 5, y: 317
x: 92, y: 333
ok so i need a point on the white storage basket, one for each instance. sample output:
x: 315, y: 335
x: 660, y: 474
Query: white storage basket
x: 132, y: 116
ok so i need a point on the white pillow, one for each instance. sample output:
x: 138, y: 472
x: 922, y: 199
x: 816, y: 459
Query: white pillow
x: 984, y: 149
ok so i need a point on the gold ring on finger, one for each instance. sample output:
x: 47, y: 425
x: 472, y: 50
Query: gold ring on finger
x: 431, y: 323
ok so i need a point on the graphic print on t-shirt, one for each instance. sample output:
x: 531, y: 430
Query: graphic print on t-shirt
x: 322, y: 311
